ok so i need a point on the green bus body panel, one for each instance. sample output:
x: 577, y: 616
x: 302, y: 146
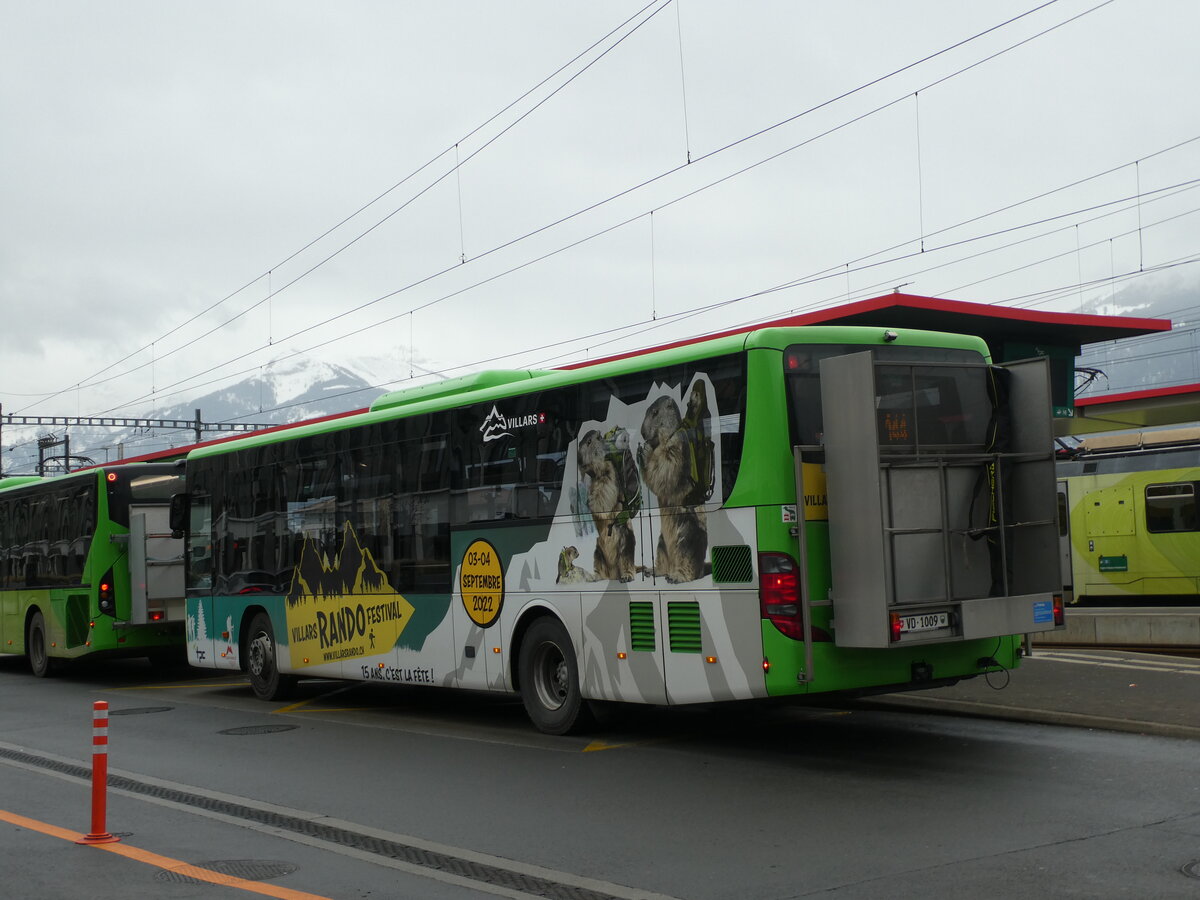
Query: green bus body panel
x: 637, y: 635
x: 1113, y: 554
x: 849, y: 669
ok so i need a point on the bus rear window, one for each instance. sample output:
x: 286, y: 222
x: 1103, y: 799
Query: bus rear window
x: 932, y: 396
x: 135, y: 484
x: 939, y: 408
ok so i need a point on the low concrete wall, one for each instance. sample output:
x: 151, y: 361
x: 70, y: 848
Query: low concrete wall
x: 1157, y: 627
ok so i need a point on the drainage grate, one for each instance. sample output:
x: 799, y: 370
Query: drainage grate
x: 417, y: 856
x: 258, y: 729
x: 139, y: 710
x: 248, y: 869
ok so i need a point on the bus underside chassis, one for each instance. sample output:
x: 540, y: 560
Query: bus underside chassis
x: 267, y: 682
x: 548, y: 676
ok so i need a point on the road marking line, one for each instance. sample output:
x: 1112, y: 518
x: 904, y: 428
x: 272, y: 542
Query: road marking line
x: 1170, y: 662
x: 531, y: 869
x: 167, y: 863
x: 1182, y: 662
x: 1116, y: 665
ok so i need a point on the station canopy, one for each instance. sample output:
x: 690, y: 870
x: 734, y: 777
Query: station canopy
x: 1012, y: 333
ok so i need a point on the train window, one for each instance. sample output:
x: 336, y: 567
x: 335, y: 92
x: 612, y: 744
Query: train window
x: 1171, y: 507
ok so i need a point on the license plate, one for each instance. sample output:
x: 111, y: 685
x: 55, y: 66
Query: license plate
x: 924, y: 622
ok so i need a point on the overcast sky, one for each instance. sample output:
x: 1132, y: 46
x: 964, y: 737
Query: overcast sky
x: 162, y: 163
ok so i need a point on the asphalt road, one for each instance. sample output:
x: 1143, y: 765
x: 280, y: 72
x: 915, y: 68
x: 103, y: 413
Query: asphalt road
x: 356, y: 791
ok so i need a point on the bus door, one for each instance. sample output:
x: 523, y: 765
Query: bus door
x: 476, y: 605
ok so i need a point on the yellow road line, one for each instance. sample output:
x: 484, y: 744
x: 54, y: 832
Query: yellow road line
x: 302, y: 703
x: 163, y: 862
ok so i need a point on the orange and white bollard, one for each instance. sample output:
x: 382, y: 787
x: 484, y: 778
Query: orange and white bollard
x: 98, y: 833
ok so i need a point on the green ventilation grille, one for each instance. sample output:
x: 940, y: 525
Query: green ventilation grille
x: 683, y: 623
x: 641, y: 626
x: 732, y: 565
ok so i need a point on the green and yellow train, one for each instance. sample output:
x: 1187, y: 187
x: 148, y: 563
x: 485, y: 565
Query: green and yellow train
x: 1128, y: 519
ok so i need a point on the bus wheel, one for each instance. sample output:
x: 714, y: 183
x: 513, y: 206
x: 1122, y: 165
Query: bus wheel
x: 35, y: 646
x: 550, y: 679
x: 265, y: 678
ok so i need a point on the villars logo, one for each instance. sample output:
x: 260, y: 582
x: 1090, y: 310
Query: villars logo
x: 497, y: 425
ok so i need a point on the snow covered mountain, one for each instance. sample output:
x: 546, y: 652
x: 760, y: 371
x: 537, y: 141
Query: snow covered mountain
x: 290, y: 391
x: 286, y: 392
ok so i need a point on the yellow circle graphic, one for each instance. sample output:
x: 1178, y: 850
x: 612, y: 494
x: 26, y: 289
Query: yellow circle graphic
x: 481, y: 583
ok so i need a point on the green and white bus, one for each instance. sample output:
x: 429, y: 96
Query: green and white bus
x: 88, y: 566
x: 772, y: 514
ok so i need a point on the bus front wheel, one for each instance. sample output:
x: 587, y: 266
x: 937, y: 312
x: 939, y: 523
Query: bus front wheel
x: 549, y: 676
x: 267, y: 682
x: 40, y: 662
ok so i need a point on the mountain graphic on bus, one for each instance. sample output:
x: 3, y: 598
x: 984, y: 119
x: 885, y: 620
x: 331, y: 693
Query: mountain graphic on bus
x: 344, y: 609
x: 352, y: 571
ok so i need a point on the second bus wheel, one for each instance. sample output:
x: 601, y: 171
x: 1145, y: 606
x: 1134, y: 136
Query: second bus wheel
x: 267, y: 682
x: 37, y: 648
x: 549, y: 677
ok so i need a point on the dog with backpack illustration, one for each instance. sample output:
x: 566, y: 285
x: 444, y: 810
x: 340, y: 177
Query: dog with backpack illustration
x: 676, y: 459
x: 614, y: 496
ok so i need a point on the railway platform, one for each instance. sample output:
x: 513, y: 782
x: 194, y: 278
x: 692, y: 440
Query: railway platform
x: 1113, y: 690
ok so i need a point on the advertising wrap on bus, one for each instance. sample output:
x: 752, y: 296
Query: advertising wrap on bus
x: 652, y: 530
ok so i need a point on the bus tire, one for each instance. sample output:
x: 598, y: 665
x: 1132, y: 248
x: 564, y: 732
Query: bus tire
x: 37, y: 649
x: 549, y: 679
x: 267, y: 682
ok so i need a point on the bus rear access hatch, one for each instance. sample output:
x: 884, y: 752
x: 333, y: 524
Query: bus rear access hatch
x: 941, y: 498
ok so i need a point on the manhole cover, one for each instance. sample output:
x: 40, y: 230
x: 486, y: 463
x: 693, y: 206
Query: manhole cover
x: 139, y: 710
x: 258, y: 729
x: 1192, y: 868
x: 249, y: 869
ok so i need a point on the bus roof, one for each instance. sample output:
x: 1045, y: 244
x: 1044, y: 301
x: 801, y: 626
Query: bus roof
x: 499, y: 384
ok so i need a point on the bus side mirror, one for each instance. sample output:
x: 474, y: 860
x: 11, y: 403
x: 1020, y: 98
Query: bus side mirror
x: 178, y: 519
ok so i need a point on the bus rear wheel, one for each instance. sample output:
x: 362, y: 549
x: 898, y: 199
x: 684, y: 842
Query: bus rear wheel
x: 36, y: 648
x: 549, y: 676
x: 267, y: 682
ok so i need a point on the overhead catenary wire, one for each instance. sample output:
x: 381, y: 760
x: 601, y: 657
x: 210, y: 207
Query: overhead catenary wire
x: 650, y: 324
x: 720, y: 180
x: 364, y: 207
x: 810, y: 279
x: 393, y: 213
x: 662, y: 175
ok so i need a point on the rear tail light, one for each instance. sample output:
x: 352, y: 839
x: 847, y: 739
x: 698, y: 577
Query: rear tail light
x: 779, y: 593
x: 896, y: 627
x: 107, y: 595
x: 1058, y: 609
